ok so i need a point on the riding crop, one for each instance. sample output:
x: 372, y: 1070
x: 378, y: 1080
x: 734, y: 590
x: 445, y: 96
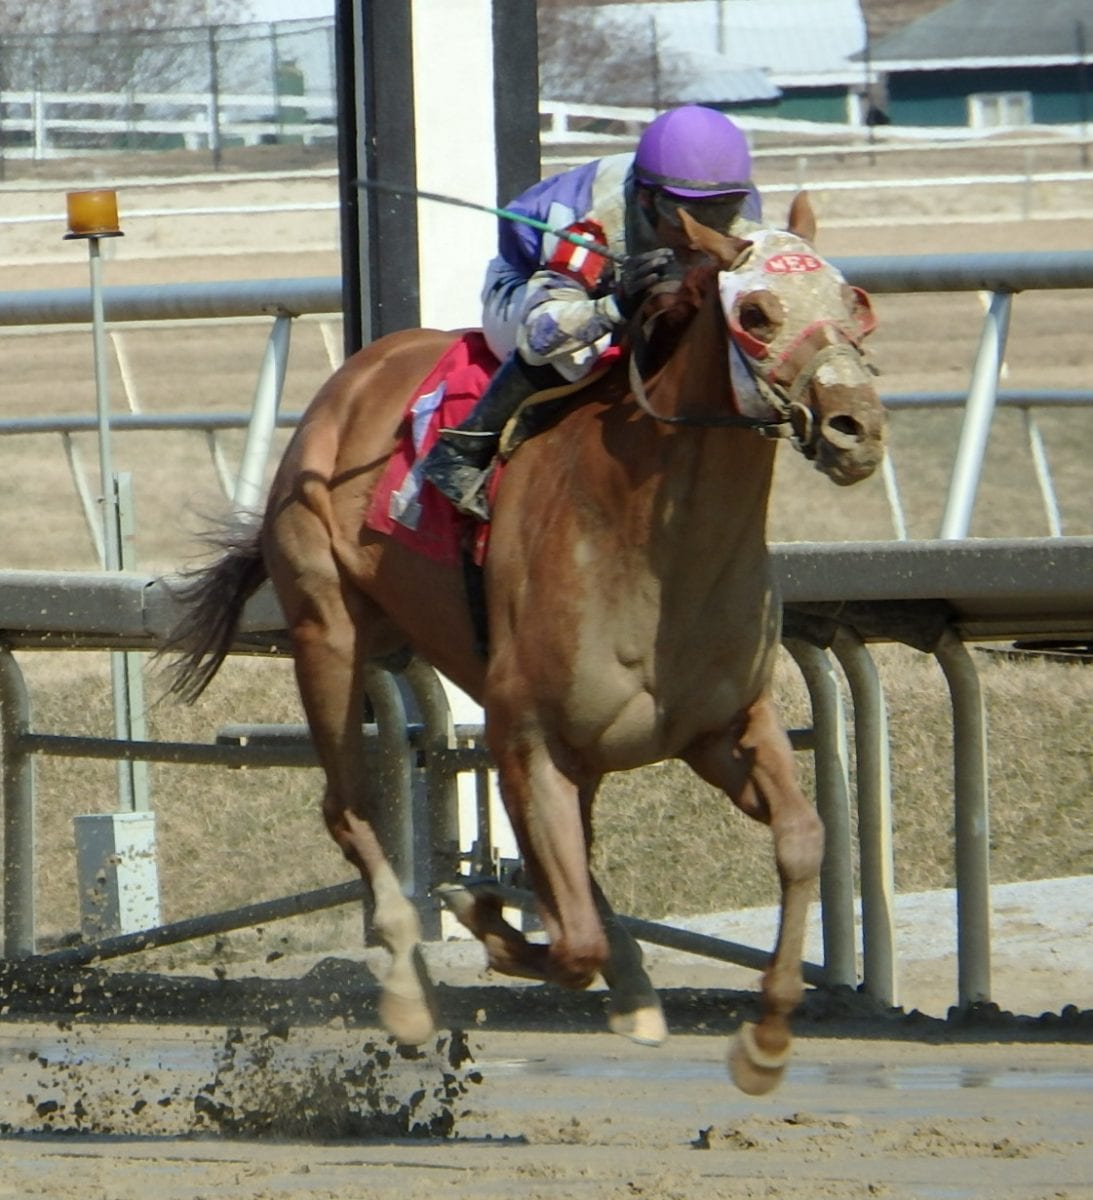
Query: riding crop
x: 506, y: 214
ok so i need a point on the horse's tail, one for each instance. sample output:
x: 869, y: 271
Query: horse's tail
x: 212, y: 600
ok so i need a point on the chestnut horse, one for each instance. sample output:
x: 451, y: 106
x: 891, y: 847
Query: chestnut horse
x: 631, y: 610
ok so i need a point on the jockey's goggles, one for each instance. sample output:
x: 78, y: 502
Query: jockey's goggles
x: 715, y: 212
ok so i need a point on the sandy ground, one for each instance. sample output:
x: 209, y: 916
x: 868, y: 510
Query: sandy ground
x: 306, y: 1101
x: 558, y: 1116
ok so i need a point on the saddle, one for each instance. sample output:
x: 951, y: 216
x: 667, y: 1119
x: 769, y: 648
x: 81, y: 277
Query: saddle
x: 418, y: 516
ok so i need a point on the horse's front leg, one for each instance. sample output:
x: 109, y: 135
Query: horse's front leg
x: 326, y: 625
x: 542, y: 796
x: 754, y: 764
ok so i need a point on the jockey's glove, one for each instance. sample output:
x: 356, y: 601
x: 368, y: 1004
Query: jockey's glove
x: 638, y: 274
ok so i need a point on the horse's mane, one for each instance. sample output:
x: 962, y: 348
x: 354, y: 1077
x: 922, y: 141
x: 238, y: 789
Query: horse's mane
x: 669, y: 312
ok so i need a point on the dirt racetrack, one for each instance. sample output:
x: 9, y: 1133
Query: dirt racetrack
x: 286, y: 1090
x: 545, y: 1115
x: 586, y: 1116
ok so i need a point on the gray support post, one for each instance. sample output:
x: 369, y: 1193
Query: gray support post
x: 874, y: 817
x: 111, y: 551
x: 393, y: 782
x: 442, y: 849
x: 1043, y: 474
x: 978, y: 414
x: 18, y: 798
x: 833, y: 804
x: 973, y: 890
x: 895, y: 502
x: 128, y: 667
x: 516, y: 96
x: 250, y: 482
x: 374, y: 58
x: 88, y: 503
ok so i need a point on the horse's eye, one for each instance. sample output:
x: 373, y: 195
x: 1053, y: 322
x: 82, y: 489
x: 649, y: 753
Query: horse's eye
x: 761, y: 315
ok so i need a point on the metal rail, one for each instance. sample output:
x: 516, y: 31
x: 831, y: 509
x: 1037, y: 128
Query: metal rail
x: 1000, y: 275
x: 931, y: 595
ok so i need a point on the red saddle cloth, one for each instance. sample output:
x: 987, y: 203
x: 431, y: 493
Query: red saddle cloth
x: 405, y: 505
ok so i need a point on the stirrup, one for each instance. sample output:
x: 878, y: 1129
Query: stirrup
x: 472, y: 501
x: 469, y: 444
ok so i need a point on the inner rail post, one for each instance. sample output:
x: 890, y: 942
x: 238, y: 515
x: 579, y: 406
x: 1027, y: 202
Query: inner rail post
x: 18, y: 799
x: 833, y: 804
x: 250, y: 482
x: 973, y: 889
x: 978, y: 414
x: 874, y: 816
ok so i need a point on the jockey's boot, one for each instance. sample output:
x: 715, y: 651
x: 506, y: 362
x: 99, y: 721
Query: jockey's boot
x: 458, y: 463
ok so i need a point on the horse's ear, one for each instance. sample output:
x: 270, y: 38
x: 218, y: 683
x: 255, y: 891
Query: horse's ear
x: 802, y: 220
x: 723, y: 248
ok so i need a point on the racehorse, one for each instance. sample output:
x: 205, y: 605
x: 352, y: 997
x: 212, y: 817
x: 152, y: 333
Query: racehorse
x: 632, y: 614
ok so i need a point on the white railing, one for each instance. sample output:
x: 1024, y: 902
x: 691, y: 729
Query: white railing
x: 55, y: 124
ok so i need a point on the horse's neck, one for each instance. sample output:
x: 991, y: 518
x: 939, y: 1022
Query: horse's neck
x: 714, y: 495
x: 694, y: 502
x: 727, y: 470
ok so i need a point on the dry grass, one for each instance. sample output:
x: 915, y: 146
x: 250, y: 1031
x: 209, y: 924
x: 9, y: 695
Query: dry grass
x: 668, y: 843
x: 665, y: 841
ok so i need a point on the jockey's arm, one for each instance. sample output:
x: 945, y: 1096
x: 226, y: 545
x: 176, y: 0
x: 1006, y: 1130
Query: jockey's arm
x: 563, y: 324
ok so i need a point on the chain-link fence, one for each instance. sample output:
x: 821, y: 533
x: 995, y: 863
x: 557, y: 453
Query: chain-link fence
x: 200, y: 88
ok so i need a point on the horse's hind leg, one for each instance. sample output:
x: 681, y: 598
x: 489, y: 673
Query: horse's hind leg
x: 327, y: 621
x: 755, y: 767
x: 634, y: 1009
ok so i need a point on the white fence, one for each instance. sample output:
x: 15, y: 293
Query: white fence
x: 56, y: 124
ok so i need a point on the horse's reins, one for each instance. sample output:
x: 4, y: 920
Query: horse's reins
x: 639, y: 340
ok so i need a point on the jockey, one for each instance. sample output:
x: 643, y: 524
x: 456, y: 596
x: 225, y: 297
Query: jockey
x: 551, y: 308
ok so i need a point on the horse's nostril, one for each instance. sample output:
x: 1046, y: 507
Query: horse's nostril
x: 843, y: 428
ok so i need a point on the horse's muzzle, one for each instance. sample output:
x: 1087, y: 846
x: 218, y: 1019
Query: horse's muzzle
x: 849, y: 432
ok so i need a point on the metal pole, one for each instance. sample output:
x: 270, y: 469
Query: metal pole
x: 668, y: 936
x: 111, y: 517
x: 895, y: 503
x: 874, y: 817
x: 443, y: 792
x: 391, y: 788
x: 973, y: 890
x: 111, y: 545
x: 250, y: 482
x: 833, y: 805
x: 204, y: 926
x: 18, y: 797
x: 129, y: 704
x: 978, y: 413
x: 1043, y: 475
x: 214, y: 99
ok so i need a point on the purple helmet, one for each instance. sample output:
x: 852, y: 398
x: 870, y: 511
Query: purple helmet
x: 694, y: 151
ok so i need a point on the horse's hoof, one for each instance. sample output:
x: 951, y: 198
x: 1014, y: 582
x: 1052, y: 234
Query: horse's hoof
x: 407, y: 1005
x: 458, y: 900
x: 645, y: 1025
x: 406, y: 1018
x: 754, y: 1071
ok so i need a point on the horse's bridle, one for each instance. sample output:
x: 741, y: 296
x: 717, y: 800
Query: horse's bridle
x: 792, y: 418
x: 639, y: 341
